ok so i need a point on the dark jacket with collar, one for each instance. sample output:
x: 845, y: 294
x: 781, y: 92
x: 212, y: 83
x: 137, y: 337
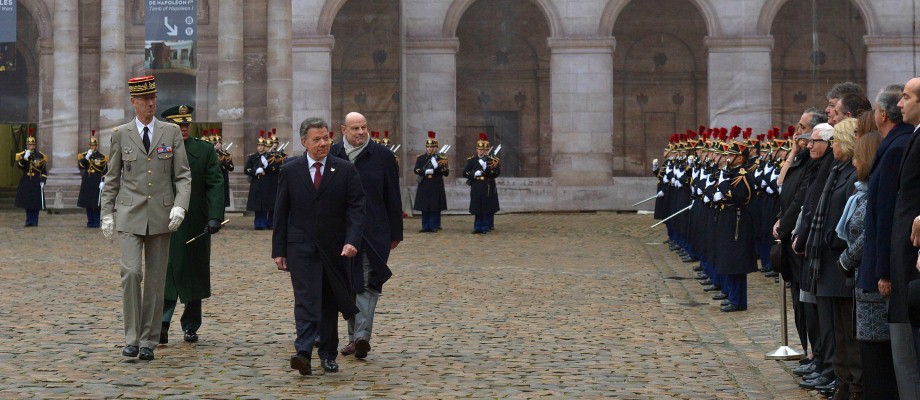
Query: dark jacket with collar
x: 379, y: 175
x: 903, y: 252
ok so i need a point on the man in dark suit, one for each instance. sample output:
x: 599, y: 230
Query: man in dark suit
x: 383, y: 229
x: 188, y: 272
x: 319, y: 218
x: 905, y: 239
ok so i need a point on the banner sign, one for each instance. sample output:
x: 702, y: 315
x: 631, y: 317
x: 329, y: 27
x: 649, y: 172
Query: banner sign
x: 7, y: 20
x: 170, y: 20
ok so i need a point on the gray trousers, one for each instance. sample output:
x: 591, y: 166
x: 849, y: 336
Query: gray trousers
x: 362, y: 324
x: 143, y: 261
x: 904, y: 356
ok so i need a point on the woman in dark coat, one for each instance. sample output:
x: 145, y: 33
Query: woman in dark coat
x: 430, y: 197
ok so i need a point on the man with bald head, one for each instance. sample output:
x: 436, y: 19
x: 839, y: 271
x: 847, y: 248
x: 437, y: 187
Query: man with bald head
x: 383, y: 227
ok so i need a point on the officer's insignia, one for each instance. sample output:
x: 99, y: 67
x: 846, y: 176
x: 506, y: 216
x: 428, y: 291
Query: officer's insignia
x: 183, y: 109
x: 128, y: 150
x: 742, y: 172
x: 164, y: 149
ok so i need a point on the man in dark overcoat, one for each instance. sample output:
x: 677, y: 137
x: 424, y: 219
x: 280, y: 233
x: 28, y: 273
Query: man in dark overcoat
x: 93, y: 166
x: 30, y: 194
x: 480, y: 173
x: 319, y: 221
x: 430, y: 198
x: 188, y: 273
x: 383, y: 229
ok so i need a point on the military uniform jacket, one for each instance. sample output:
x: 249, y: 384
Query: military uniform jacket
x: 261, y: 187
x: 91, y: 171
x: 34, y: 173
x: 188, y: 274
x: 483, y: 192
x: 430, y: 195
x: 142, y: 188
x: 734, y: 228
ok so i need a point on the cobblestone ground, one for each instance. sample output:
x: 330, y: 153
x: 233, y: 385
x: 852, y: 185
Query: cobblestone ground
x: 549, y: 305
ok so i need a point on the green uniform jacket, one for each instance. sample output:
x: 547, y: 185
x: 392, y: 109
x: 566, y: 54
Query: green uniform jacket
x: 188, y: 276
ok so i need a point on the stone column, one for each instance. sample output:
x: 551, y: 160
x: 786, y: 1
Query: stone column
x: 66, y: 97
x: 581, y: 110
x: 278, y: 68
x: 312, y: 83
x: 230, y: 74
x: 889, y: 59
x: 113, y: 85
x: 431, y: 96
x: 740, y: 81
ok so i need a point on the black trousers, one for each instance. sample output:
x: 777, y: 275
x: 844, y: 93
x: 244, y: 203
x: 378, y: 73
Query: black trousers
x: 191, y: 316
x: 826, y: 344
x: 327, y: 329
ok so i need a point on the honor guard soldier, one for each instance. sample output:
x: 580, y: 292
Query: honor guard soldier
x: 430, y: 198
x: 226, y: 164
x: 480, y: 173
x: 93, y: 166
x: 188, y: 274
x: 30, y: 194
x: 734, y: 228
x: 263, y: 181
x: 386, y: 143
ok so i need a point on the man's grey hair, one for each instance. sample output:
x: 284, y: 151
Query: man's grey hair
x: 842, y: 89
x: 312, y: 122
x: 825, y: 131
x: 816, y: 116
x: 887, y: 101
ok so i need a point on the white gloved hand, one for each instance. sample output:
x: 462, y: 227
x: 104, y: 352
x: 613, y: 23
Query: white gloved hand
x: 264, y: 161
x: 769, y: 190
x: 101, y: 185
x: 706, y: 199
x: 26, y: 156
x: 42, y: 184
x: 88, y: 154
x: 108, y: 226
x: 717, y: 196
x: 260, y: 171
x: 660, y: 193
x: 429, y: 171
x: 434, y: 160
x: 176, y: 215
x: 477, y: 174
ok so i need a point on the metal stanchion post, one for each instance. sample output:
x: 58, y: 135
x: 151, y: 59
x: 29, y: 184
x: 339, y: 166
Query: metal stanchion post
x: 784, y: 352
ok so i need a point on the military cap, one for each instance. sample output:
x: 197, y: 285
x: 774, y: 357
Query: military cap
x: 181, y: 114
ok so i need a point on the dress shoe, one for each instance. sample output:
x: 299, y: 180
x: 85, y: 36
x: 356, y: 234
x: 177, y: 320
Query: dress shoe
x: 806, y: 360
x: 812, y: 376
x: 803, y: 369
x: 146, y: 353
x: 349, y: 349
x: 732, y: 308
x: 830, y: 387
x: 301, y: 363
x: 478, y: 232
x: 771, y: 274
x: 719, y: 296
x: 698, y: 268
x: 673, y: 247
x: 701, y: 276
x: 164, y: 336
x: 711, y: 288
x: 425, y: 231
x: 191, y: 336
x: 813, y: 383
x: 129, y: 351
x: 724, y: 303
x: 330, y: 366
x: 706, y: 282
x: 362, y: 347
x: 690, y: 259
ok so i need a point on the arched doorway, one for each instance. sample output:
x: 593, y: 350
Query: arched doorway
x: 19, y: 87
x: 366, y: 65
x: 503, y: 84
x: 660, y: 80
x: 809, y: 57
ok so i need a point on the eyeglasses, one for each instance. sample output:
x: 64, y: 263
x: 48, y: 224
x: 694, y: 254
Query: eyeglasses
x: 828, y: 141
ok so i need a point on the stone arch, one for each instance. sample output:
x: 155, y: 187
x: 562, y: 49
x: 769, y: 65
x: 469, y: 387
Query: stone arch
x: 614, y: 7
x: 42, y: 17
x: 459, y: 7
x: 327, y: 16
x: 772, y: 7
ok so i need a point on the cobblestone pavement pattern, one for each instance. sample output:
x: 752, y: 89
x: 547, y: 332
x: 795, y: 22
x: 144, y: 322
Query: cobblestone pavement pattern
x: 549, y: 305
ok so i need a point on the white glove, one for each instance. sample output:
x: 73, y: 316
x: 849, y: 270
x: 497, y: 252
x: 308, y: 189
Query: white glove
x: 264, y: 161
x: 429, y: 171
x: 260, y: 171
x: 717, y: 196
x: 434, y: 160
x: 769, y: 190
x: 101, y: 184
x: 42, y: 184
x: 477, y: 173
x: 660, y: 193
x: 26, y: 156
x: 108, y: 226
x: 176, y: 215
x: 706, y: 199
x: 88, y: 153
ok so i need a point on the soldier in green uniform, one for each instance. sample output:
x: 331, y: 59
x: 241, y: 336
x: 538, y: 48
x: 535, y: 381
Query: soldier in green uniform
x: 93, y: 166
x: 188, y: 274
x: 30, y: 193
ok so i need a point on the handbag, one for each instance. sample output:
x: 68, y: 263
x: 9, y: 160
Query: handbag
x: 871, y: 316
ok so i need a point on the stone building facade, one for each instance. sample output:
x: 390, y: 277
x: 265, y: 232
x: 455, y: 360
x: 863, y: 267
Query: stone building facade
x: 582, y: 94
